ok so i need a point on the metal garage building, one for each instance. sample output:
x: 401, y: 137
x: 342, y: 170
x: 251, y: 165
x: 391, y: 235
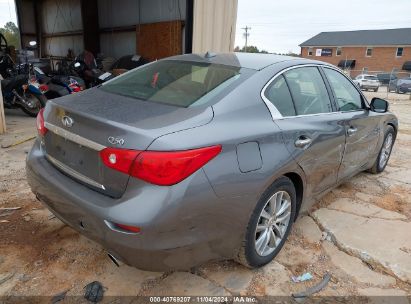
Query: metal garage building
x: 152, y: 28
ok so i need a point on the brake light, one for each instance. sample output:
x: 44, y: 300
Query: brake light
x: 158, y: 167
x: 41, y: 129
x: 170, y: 168
x: 119, y: 159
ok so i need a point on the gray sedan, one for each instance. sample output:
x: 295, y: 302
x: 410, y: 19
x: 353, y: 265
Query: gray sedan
x: 204, y: 157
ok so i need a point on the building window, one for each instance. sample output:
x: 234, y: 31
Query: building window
x: 400, y: 50
x: 338, y: 51
x: 310, y: 51
x: 368, y: 53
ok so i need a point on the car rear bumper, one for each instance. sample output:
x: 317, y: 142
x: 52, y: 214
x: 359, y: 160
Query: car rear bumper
x: 181, y: 226
x: 370, y: 86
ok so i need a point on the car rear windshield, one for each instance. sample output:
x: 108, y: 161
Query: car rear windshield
x: 178, y: 83
x: 371, y: 77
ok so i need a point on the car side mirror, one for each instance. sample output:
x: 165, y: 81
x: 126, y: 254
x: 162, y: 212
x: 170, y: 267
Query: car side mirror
x: 379, y: 105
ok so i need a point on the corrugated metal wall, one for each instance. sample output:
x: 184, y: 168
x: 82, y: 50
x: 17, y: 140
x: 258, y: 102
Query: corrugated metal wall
x: 61, y: 26
x: 62, y: 16
x: 132, y: 12
x: 214, y: 25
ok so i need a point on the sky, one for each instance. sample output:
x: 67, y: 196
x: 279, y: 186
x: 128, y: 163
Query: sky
x: 7, y: 12
x: 280, y: 26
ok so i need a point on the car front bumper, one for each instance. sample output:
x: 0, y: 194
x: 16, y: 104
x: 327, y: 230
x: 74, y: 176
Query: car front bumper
x: 181, y: 226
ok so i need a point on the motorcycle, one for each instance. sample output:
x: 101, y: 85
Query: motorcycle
x: 59, y: 85
x: 22, y: 90
x: 85, y: 66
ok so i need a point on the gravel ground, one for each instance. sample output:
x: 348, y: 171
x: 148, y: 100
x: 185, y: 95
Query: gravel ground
x: 359, y: 233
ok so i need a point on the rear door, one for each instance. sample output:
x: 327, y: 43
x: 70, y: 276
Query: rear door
x: 361, y: 125
x: 312, y: 132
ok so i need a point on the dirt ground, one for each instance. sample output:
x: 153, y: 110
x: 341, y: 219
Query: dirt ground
x: 40, y: 256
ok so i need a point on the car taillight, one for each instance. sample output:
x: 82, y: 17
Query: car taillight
x: 158, y: 167
x: 41, y: 129
x: 119, y: 159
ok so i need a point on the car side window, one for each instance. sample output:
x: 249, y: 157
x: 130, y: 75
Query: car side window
x: 308, y: 91
x: 279, y: 95
x: 347, y: 96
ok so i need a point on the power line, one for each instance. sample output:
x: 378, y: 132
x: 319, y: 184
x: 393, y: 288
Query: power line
x: 246, y: 34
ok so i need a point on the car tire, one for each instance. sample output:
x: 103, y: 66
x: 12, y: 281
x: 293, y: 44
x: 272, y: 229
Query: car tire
x: 385, y: 151
x: 376, y: 90
x: 251, y: 254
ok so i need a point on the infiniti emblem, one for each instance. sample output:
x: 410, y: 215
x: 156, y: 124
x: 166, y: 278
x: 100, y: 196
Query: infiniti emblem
x: 67, y: 121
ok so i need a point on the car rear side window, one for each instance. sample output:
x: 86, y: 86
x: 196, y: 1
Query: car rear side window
x: 308, y: 91
x: 347, y: 96
x: 279, y: 95
x: 173, y: 82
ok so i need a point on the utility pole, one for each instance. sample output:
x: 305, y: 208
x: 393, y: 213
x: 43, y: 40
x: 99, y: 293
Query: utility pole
x: 246, y: 34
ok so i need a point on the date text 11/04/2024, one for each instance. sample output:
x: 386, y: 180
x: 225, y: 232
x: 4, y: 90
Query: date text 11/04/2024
x: 202, y: 299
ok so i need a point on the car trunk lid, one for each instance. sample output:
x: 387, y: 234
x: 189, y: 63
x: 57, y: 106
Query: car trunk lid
x: 83, y: 124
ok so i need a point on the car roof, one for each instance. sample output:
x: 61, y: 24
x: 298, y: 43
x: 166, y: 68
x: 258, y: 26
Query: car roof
x: 255, y: 61
x: 367, y: 75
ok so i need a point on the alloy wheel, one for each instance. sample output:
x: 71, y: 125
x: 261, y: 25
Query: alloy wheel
x: 273, y: 222
x: 386, y: 150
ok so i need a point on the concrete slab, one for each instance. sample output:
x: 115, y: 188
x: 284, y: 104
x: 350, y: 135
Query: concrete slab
x: 186, y: 284
x: 402, y: 176
x: 382, y: 243
x: 235, y: 280
x: 308, y: 229
x: 275, y: 280
x: 385, y: 296
x: 364, y: 209
x: 355, y: 268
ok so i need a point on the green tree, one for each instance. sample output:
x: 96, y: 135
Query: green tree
x: 250, y: 49
x: 12, y: 34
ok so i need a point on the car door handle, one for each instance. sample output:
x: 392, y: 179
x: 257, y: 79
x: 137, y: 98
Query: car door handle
x: 303, y: 142
x: 351, y: 131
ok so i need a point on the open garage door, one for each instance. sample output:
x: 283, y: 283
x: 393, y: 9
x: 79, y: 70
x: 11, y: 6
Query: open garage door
x: 150, y: 28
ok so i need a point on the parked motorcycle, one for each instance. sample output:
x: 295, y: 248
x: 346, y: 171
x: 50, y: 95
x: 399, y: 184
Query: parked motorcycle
x: 85, y: 66
x: 59, y: 85
x: 25, y: 93
x: 23, y: 90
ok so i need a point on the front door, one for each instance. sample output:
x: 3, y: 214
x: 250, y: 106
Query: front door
x: 361, y: 125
